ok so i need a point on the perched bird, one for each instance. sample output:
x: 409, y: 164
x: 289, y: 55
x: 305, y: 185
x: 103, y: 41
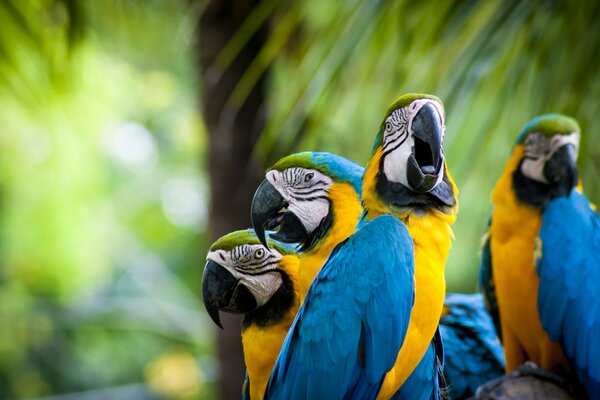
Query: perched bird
x: 353, y: 321
x: 315, y: 198
x: 241, y: 276
x: 473, y: 353
x: 336, y: 347
x: 467, y: 326
x: 541, y: 274
x: 407, y: 177
x: 334, y: 210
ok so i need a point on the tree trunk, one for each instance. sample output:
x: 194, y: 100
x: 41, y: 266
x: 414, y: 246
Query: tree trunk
x: 232, y: 135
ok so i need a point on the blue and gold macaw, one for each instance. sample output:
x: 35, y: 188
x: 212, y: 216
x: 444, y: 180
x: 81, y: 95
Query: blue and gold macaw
x: 335, y: 210
x: 406, y: 177
x: 243, y: 277
x: 465, y: 325
x: 473, y: 353
x: 542, y: 274
x: 315, y: 197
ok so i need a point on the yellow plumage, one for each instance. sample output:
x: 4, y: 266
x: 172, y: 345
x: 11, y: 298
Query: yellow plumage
x: 346, y: 209
x: 432, y: 237
x: 513, y: 235
x: 262, y: 344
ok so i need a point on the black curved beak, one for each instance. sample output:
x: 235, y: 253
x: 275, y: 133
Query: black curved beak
x: 291, y: 229
x: 425, y: 164
x: 266, y: 205
x: 222, y: 291
x: 561, y: 168
x: 267, y: 213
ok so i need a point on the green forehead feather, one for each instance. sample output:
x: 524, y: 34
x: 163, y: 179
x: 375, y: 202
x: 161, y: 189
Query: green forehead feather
x: 239, y: 238
x: 338, y: 168
x: 302, y: 160
x: 549, y: 125
x: 403, y: 101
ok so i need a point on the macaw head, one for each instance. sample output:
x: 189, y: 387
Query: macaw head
x: 407, y: 169
x: 242, y: 276
x: 544, y: 158
x: 299, y: 194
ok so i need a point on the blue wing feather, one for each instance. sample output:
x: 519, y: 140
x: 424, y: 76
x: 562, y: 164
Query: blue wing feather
x: 569, y: 271
x: 486, y: 283
x: 352, y: 324
x: 424, y: 382
x: 473, y: 354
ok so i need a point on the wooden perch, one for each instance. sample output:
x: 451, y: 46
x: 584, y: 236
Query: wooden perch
x: 528, y: 382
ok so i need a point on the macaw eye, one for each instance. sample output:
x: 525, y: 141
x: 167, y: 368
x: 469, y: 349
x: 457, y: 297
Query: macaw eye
x: 388, y: 127
x: 259, y: 253
x: 308, y: 176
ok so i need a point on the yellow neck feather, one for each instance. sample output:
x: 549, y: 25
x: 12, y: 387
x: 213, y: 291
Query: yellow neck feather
x: 432, y: 238
x: 263, y: 343
x: 346, y: 209
x: 510, y: 215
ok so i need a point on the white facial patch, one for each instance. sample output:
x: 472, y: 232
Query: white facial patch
x: 305, y: 191
x: 398, y: 140
x: 254, y: 266
x: 540, y: 148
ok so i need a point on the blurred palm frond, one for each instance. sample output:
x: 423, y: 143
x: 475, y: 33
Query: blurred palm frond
x: 496, y: 65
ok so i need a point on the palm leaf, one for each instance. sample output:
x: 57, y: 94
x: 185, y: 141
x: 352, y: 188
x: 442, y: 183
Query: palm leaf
x: 496, y: 64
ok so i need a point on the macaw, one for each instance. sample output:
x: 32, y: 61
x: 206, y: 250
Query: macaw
x: 473, y: 353
x: 334, y: 212
x: 242, y: 276
x: 316, y: 199
x: 541, y: 274
x: 406, y: 177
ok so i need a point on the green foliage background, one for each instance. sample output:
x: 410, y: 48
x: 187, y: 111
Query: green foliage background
x: 102, y: 190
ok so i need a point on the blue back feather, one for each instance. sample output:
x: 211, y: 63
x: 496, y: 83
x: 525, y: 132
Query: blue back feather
x: 569, y: 291
x: 341, y: 169
x: 353, y: 322
x: 473, y: 354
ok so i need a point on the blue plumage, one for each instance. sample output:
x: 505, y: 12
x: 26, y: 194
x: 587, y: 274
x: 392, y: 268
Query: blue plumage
x: 352, y: 324
x: 473, y: 354
x: 341, y: 168
x: 424, y: 382
x: 569, y: 271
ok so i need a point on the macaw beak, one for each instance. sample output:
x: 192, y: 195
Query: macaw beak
x: 268, y: 212
x: 222, y: 291
x: 561, y: 168
x: 425, y: 163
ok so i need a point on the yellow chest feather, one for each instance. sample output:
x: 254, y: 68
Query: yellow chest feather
x: 346, y: 210
x: 262, y: 343
x: 514, y: 242
x: 432, y: 237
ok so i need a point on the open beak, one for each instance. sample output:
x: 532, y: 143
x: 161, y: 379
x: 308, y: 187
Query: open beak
x: 561, y: 168
x: 425, y: 163
x: 268, y: 211
x: 222, y: 291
